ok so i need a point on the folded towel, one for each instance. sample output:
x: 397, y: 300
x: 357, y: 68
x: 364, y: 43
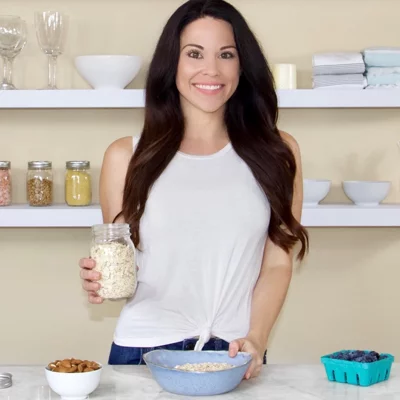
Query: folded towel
x: 382, y: 56
x: 382, y: 50
x: 354, y: 80
x: 340, y: 87
x: 383, y: 76
x: 340, y: 69
x: 337, y: 58
x: 338, y: 63
x: 389, y: 79
x: 381, y: 71
x: 383, y: 87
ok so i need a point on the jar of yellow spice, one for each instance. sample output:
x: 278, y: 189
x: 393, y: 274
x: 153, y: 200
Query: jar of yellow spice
x: 78, y: 183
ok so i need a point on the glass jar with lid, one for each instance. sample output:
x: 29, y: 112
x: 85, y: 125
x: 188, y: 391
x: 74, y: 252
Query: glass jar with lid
x: 39, y: 183
x: 78, y: 183
x: 5, y: 183
x: 114, y: 253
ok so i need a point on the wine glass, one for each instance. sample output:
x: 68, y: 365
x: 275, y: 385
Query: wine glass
x: 13, y: 35
x: 51, y: 29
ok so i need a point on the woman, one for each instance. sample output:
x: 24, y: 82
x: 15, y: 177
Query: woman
x: 212, y: 192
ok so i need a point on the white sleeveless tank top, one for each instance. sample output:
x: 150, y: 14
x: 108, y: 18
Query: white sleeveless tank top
x: 203, y: 234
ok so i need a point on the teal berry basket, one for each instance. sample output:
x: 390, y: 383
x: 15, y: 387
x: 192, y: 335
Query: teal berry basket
x: 357, y: 373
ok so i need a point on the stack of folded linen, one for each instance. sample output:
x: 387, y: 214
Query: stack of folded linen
x: 343, y: 70
x: 382, y: 67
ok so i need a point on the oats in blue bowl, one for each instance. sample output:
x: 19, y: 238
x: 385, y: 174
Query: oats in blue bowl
x: 197, y: 373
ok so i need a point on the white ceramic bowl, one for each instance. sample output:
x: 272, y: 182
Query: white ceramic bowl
x: 74, y: 386
x: 108, y: 71
x: 315, y: 190
x: 366, y: 193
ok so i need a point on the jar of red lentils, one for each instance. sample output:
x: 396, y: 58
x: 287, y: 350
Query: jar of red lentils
x: 5, y: 183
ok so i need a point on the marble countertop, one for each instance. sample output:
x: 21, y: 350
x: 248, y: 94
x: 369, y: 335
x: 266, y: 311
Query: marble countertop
x: 281, y: 381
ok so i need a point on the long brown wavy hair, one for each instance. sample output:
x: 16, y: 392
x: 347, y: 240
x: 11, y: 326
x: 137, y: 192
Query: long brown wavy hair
x: 250, y: 116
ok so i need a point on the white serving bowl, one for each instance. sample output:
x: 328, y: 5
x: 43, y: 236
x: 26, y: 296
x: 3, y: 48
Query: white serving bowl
x: 315, y: 190
x: 73, y: 386
x: 108, y: 71
x: 366, y: 193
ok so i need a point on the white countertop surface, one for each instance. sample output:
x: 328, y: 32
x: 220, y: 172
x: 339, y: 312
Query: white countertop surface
x: 297, y: 382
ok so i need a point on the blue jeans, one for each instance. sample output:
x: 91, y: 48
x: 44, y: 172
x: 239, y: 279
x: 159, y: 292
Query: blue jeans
x: 121, y: 355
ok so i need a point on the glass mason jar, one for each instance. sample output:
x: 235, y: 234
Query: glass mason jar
x: 5, y: 183
x: 114, y: 253
x: 39, y: 183
x: 78, y: 183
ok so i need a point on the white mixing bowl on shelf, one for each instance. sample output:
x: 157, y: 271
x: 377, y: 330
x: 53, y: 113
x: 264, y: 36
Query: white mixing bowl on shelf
x: 366, y: 193
x: 108, y: 72
x: 314, y: 191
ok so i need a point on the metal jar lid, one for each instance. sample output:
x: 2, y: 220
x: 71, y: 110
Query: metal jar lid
x: 77, y: 164
x: 5, y: 164
x: 39, y: 164
x: 5, y: 380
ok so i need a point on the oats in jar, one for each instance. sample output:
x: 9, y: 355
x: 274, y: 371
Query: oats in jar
x: 114, y: 253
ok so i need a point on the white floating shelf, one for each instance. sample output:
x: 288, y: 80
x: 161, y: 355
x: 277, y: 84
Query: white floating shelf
x: 335, y: 215
x: 134, y: 98
x: 22, y: 215
x: 339, y: 98
x: 347, y: 215
x: 130, y: 98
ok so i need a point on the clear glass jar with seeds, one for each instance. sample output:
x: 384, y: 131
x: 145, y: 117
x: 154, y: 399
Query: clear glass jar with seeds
x: 114, y: 253
x: 5, y: 183
x: 39, y: 183
x: 78, y: 183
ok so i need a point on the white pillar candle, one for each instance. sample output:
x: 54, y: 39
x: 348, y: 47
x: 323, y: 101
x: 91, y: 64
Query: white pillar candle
x: 285, y: 76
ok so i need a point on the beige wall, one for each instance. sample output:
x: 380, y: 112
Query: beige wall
x: 344, y: 296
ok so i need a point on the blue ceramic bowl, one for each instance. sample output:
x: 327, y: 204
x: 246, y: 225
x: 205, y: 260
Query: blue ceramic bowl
x: 162, y: 365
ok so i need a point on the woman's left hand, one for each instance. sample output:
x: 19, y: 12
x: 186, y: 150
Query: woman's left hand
x: 249, y: 345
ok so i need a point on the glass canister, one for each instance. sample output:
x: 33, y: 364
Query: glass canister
x: 39, y: 184
x: 114, y: 253
x: 78, y: 183
x: 5, y: 183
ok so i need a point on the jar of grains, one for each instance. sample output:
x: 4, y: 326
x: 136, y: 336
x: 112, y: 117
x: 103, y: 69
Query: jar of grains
x: 114, y: 253
x: 40, y: 183
x: 5, y: 183
x: 78, y: 183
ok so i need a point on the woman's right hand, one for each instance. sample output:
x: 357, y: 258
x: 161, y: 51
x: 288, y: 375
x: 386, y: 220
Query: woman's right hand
x: 89, y: 280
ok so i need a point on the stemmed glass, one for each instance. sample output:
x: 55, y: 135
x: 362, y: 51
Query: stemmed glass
x: 51, y: 29
x: 13, y: 35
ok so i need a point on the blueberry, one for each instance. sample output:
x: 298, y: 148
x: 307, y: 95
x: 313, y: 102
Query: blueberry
x: 368, y: 358
x: 356, y: 354
x: 360, y: 356
x: 374, y: 354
